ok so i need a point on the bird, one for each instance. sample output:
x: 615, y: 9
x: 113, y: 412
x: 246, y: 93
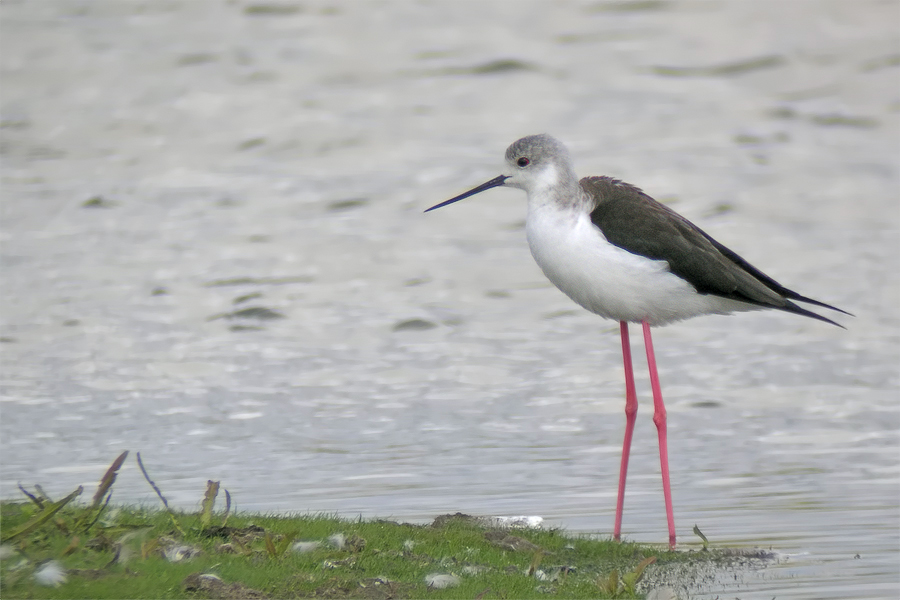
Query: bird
x: 624, y: 256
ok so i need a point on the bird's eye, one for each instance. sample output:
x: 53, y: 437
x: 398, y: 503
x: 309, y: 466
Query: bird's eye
x: 523, y: 162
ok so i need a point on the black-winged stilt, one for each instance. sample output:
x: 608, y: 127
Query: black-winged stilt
x: 622, y: 255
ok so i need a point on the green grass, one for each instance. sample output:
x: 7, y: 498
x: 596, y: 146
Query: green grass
x: 136, y: 552
x: 124, y: 555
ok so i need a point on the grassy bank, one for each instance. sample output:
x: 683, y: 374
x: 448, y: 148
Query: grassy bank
x: 71, y: 549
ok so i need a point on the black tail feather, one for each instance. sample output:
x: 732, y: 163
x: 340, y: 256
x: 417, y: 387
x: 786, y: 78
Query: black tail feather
x: 792, y: 295
x: 778, y: 288
x: 799, y: 310
x: 775, y: 286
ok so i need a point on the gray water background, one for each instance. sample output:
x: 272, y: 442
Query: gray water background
x: 278, y: 155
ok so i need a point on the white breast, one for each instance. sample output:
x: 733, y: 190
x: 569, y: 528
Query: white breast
x: 607, y: 280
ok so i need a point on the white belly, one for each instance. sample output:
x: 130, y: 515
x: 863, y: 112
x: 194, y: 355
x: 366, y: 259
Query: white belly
x: 608, y: 280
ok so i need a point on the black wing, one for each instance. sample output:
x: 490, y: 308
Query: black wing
x: 634, y: 221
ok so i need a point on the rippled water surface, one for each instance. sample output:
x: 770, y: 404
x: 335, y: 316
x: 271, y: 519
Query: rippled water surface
x: 214, y: 253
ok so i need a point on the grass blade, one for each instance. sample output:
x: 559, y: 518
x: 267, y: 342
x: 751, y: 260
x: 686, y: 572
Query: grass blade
x: 43, y: 516
x: 108, y: 479
x: 209, y: 501
x: 227, y: 507
x: 32, y: 497
x: 159, y: 493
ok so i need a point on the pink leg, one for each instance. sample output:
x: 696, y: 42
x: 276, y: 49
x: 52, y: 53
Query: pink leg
x: 630, y: 414
x: 659, y: 418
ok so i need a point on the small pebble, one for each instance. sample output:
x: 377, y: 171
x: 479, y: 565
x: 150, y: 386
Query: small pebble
x: 440, y: 581
x: 179, y: 553
x: 50, y: 574
x: 302, y: 547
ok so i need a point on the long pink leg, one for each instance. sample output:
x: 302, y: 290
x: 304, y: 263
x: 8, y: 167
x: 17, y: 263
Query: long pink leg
x: 630, y: 414
x: 659, y: 418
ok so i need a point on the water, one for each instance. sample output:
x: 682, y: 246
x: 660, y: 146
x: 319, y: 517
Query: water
x: 252, y: 155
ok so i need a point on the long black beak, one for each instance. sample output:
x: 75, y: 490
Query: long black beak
x: 496, y: 181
